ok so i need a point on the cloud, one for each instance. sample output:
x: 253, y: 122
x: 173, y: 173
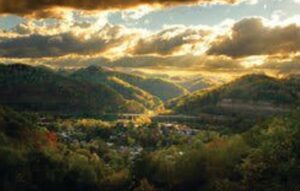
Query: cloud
x: 186, y: 62
x: 135, y: 13
x: 254, y: 43
x: 252, y: 37
x: 170, y: 40
x: 286, y: 66
x: 39, y: 45
x: 43, y: 7
x: 36, y: 40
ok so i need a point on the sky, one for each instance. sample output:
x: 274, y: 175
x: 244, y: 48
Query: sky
x: 189, y: 35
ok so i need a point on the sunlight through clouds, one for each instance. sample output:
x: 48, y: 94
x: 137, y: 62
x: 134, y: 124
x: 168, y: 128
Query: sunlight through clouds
x: 237, y: 39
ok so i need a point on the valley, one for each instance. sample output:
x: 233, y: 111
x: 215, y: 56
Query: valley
x: 106, y: 130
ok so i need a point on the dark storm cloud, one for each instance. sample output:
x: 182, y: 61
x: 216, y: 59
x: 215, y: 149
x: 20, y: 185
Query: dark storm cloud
x: 31, y: 6
x: 251, y: 37
x: 38, y: 46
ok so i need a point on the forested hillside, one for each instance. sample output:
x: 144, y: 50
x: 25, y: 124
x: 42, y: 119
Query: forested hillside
x: 97, y: 75
x: 88, y: 154
x: 250, y: 93
x: 37, y: 89
x: 157, y: 87
x: 199, y: 83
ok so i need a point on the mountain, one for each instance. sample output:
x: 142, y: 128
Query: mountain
x: 98, y: 75
x: 37, y: 89
x: 162, y: 89
x: 251, y: 95
x: 139, y: 85
x: 199, y: 83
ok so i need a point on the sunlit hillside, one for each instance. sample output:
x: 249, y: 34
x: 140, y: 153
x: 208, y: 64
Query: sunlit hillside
x: 251, y: 93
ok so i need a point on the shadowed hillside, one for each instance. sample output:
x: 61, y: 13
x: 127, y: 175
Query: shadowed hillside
x: 38, y: 89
